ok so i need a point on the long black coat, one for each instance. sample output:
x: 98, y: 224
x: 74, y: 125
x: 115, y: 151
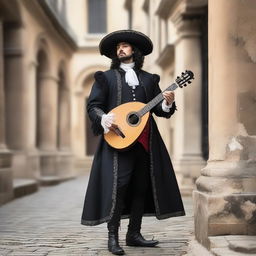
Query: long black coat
x: 163, y: 198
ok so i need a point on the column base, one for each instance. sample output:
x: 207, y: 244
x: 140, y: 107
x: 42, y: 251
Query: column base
x: 187, y: 170
x: 55, y: 167
x: 26, y: 164
x: 83, y: 165
x: 222, y: 214
x: 6, y: 186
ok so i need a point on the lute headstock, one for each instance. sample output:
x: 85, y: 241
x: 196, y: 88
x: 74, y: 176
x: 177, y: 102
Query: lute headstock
x: 184, y: 79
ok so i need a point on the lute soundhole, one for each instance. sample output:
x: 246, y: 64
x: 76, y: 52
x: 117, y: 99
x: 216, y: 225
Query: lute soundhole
x: 133, y: 119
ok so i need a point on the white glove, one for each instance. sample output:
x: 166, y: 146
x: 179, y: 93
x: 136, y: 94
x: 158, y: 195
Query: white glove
x: 165, y: 107
x: 106, y: 121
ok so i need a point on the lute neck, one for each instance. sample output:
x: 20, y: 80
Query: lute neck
x: 156, y: 100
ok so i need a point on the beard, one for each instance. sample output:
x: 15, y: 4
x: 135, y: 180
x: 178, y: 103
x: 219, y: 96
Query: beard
x: 125, y: 58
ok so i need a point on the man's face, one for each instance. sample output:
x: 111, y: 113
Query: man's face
x: 124, y: 51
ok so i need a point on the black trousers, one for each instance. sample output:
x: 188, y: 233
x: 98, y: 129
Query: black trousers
x: 133, y: 166
x: 133, y: 169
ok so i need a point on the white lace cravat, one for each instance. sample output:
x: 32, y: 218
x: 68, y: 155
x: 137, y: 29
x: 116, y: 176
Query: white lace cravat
x: 130, y: 76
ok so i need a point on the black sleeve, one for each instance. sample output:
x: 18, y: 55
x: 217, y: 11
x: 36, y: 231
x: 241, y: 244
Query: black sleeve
x: 97, y: 102
x: 157, y: 110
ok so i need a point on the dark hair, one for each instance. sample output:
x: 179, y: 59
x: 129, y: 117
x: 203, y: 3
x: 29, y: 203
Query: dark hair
x: 138, y: 58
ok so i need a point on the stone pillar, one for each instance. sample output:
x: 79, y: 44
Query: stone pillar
x: 188, y: 128
x: 20, y: 106
x: 47, y: 88
x: 225, y: 198
x: 65, y: 157
x: 14, y: 96
x: 47, y: 112
x: 64, y: 120
x: 6, y: 187
x: 31, y: 109
x: 2, y: 98
x: 30, y: 153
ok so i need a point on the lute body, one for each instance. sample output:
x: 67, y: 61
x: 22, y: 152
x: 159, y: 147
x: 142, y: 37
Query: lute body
x: 131, y: 131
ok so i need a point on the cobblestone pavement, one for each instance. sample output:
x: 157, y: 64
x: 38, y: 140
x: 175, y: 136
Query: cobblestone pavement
x: 48, y: 223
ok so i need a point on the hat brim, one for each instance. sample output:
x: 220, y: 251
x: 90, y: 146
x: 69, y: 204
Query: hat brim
x: 108, y: 43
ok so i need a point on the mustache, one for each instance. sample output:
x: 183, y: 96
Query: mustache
x: 124, y: 58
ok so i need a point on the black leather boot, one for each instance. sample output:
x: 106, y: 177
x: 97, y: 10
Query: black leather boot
x: 113, y: 243
x: 113, y: 224
x: 133, y: 236
x: 136, y: 239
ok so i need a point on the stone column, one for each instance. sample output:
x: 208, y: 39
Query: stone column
x: 47, y: 112
x: 47, y: 125
x: 225, y: 199
x: 30, y: 152
x: 188, y: 132
x: 31, y: 110
x: 6, y: 187
x: 65, y: 157
x: 2, y: 98
x: 14, y: 93
x: 64, y: 120
x: 20, y: 106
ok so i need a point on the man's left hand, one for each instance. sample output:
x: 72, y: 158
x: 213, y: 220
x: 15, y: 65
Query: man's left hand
x: 169, y: 96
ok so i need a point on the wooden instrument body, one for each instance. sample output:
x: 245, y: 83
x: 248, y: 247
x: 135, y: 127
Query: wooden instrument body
x: 131, y: 131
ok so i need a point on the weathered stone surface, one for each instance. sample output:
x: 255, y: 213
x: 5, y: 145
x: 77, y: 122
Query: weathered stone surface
x: 6, y: 186
x: 219, y: 215
x: 233, y: 245
x: 24, y: 187
x: 196, y: 249
x: 245, y: 244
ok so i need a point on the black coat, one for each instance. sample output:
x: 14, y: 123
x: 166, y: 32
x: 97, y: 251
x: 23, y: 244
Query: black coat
x: 163, y: 200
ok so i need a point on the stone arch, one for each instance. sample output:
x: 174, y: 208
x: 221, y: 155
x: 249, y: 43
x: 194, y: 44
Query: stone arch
x: 84, y: 75
x: 41, y: 45
x: 83, y: 137
x: 41, y: 71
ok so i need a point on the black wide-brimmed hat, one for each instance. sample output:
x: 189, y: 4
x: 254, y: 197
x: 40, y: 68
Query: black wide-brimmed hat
x: 108, y: 43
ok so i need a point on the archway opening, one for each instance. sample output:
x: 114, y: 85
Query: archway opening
x: 63, y: 112
x: 41, y: 94
x: 91, y: 141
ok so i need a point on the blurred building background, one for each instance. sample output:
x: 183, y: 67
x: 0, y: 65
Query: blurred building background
x: 49, y: 54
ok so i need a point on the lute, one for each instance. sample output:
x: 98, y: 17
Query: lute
x: 132, y: 117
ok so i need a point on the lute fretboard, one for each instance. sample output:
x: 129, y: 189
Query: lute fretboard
x: 156, y: 100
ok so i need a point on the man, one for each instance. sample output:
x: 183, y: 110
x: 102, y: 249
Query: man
x: 140, y: 180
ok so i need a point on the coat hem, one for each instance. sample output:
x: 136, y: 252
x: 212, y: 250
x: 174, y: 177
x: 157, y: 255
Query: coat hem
x: 160, y: 217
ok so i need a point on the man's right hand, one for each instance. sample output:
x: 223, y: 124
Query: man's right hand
x: 107, y: 121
